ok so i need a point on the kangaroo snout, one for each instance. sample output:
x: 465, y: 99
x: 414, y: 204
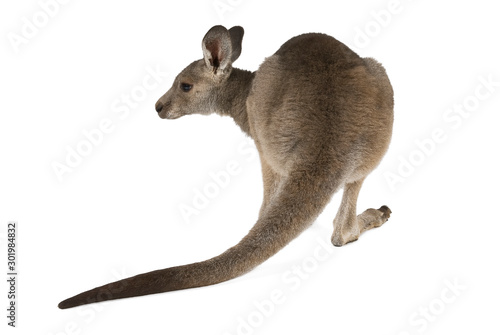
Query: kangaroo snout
x: 158, y: 106
x: 164, y: 109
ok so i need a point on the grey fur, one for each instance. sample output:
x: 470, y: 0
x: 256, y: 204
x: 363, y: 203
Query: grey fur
x: 321, y: 118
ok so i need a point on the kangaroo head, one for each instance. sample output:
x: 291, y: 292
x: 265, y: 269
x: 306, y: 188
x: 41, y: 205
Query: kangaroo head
x: 197, y: 88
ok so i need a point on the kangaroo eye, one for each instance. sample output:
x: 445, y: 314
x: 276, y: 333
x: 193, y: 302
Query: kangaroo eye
x: 186, y: 87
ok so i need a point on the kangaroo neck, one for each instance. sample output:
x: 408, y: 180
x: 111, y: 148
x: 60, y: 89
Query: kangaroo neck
x: 234, y: 97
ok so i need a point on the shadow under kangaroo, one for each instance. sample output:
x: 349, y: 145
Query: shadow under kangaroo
x: 321, y: 118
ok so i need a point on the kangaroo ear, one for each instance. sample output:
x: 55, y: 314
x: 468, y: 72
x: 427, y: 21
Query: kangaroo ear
x: 217, y: 49
x: 236, y: 34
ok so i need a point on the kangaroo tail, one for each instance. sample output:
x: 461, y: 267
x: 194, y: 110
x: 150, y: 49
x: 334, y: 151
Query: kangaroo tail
x: 296, y: 204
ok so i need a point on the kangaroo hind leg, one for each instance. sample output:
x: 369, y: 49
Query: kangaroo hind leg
x: 271, y: 181
x: 347, y: 225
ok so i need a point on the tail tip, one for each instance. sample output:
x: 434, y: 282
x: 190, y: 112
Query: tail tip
x: 65, y: 304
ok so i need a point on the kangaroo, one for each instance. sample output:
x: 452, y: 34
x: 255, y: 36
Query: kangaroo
x: 321, y: 118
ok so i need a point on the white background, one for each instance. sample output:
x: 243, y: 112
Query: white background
x: 117, y: 212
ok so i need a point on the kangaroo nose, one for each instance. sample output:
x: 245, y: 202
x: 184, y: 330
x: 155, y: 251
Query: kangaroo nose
x: 158, y: 107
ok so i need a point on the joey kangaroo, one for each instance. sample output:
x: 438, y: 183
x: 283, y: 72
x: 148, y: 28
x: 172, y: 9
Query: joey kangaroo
x: 321, y: 118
